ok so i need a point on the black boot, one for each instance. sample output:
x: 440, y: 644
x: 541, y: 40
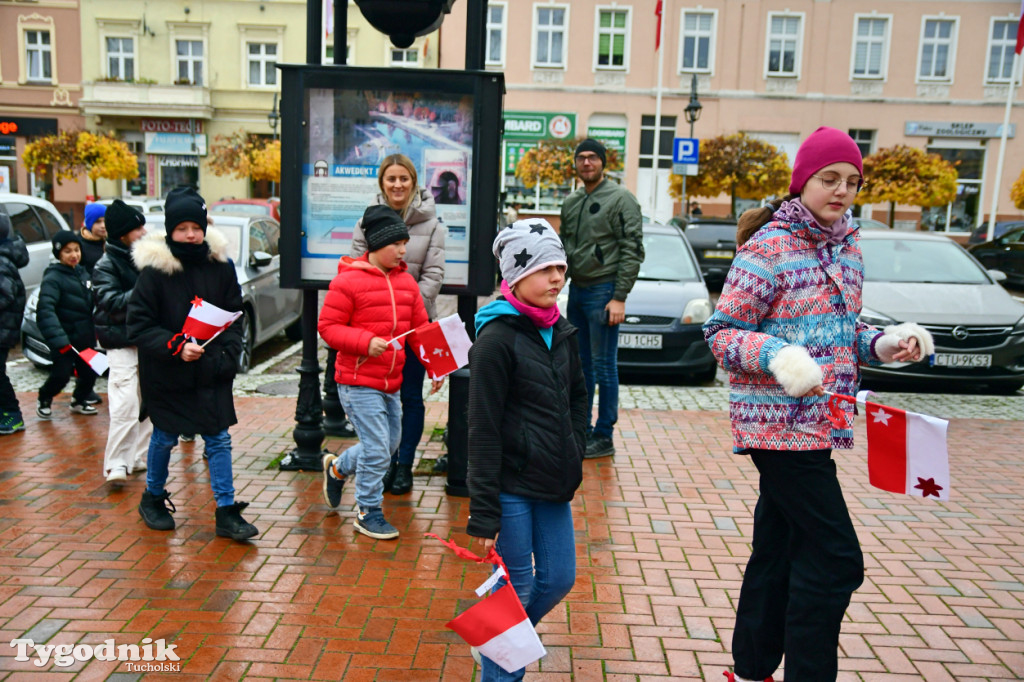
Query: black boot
x: 154, y: 510
x: 389, y: 477
x: 230, y: 523
x: 403, y: 480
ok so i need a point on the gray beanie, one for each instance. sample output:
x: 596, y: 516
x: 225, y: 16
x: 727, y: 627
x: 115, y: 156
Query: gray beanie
x: 526, y: 246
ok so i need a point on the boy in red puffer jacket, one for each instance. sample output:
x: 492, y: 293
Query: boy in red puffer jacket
x: 371, y: 301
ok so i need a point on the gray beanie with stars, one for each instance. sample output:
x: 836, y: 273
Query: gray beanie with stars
x: 526, y: 246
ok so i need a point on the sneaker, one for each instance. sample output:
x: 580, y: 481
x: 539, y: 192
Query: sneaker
x: 93, y: 399
x: 731, y: 677
x: 83, y: 408
x: 599, y: 446
x: 230, y: 524
x: 43, y: 410
x: 187, y: 437
x: 11, y: 422
x: 372, y: 523
x: 139, y: 466
x: 117, y: 475
x: 156, y: 510
x: 332, y: 483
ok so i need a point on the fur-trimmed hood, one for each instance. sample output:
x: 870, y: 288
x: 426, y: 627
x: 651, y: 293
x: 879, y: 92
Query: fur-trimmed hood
x: 152, y: 251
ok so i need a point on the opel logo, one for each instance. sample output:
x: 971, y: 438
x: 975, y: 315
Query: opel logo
x: 960, y: 333
x: 632, y: 320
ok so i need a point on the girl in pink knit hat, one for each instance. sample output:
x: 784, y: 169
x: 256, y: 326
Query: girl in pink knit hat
x: 786, y: 328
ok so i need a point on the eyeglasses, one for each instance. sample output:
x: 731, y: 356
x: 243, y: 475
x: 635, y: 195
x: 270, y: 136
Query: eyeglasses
x: 831, y: 183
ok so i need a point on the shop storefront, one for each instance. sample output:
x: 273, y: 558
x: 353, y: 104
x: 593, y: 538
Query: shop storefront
x: 523, y: 130
x: 172, y: 152
x: 11, y: 147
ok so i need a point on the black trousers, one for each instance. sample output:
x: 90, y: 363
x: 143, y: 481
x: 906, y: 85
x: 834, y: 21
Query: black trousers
x: 805, y: 564
x: 60, y: 374
x: 8, y: 400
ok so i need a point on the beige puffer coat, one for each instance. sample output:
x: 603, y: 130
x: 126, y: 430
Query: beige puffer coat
x: 425, y: 253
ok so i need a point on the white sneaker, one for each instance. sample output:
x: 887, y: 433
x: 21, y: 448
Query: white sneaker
x: 139, y: 466
x: 117, y: 474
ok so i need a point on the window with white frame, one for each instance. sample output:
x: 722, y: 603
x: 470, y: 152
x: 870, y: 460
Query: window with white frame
x: 189, y: 61
x: 1002, y: 41
x: 785, y: 32
x: 120, y: 58
x: 407, y: 57
x: 38, y: 55
x: 870, y: 47
x: 697, y: 42
x: 612, y: 38
x: 496, y: 12
x: 865, y: 140
x: 938, y: 43
x: 549, y: 31
x: 262, y: 57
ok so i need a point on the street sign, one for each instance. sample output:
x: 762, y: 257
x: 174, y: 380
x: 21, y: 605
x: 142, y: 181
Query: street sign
x: 685, y: 150
x: 685, y: 168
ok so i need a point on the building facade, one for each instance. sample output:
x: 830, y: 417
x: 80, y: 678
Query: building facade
x: 930, y: 75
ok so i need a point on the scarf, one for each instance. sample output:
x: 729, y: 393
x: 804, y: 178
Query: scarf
x: 793, y: 211
x: 542, y: 317
x: 188, y: 253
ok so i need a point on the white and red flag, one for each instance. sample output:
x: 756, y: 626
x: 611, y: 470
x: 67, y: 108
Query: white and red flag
x: 205, y: 320
x: 907, y: 451
x: 95, y: 359
x: 1020, y: 31
x: 498, y: 625
x: 442, y: 346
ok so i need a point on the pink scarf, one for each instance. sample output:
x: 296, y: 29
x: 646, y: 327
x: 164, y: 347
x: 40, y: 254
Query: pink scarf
x: 542, y: 317
x: 793, y: 211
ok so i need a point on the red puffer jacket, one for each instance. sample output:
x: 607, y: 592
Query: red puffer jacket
x: 362, y: 303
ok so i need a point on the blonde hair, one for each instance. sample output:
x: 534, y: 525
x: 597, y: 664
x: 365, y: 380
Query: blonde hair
x: 406, y: 163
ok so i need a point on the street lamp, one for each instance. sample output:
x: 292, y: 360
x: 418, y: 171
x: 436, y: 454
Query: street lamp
x: 273, y: 118
x: 692, y: 113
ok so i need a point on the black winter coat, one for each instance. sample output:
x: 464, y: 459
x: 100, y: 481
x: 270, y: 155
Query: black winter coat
x: 113, y: 279
x: 64, y: 311
x: 528, y: 418
x: 179, y: 396
x: 13, y: 255
x: 92, y: 251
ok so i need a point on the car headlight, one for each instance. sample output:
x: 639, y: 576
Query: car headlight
x: 697, y: 311
x: 868, y: 316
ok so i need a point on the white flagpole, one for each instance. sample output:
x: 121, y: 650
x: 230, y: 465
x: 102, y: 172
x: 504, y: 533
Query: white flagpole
x: 657, y: 112
x: 1011, y: 87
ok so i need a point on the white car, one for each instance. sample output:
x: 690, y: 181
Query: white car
x: 147, y: 206
x: 36, y: 220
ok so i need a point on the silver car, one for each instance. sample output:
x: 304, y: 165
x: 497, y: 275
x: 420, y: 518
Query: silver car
x: 36, y: 221
x: 929, y: 279
x: 253, y: 247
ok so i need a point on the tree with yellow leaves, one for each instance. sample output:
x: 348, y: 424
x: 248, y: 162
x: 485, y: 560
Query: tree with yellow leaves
x: 1017, y: 191
x: 739, y: 165
x: 551, y: 163
x: 245, y: 155
x: 907, y: 175
x: 70, y: 153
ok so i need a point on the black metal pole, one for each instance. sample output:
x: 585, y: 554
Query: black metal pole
x: 476, y: 52
x: 309, y: 432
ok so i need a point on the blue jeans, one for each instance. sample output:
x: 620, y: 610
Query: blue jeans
x: 538, y: 545
x: 377, y: 418
x: 218, y: 454
x: 599, y: 351
x: 412, y: 406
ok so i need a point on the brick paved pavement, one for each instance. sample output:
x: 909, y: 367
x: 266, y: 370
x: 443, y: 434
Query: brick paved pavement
x: 662, y: 537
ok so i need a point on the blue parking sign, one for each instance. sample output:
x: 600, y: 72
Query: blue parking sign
x: 685, y: 150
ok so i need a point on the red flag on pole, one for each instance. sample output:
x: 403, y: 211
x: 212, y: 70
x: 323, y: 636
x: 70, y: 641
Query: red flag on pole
x: 1020, y: 30
x: 657, y: 35
x: 96, y: 360
x: 443, y: 346
x: 205, y: 320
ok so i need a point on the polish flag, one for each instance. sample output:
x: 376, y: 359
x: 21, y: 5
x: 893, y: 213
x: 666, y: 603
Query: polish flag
x: 1020, y: 30
x: 205, y: 320
x: 442, y: 346
x: 95, y: 359
x: 907, y: 451
x: 657, y: 34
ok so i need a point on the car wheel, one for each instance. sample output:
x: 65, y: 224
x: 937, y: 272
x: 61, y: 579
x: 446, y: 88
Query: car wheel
x: 248, y: 337
x: 294, y: 330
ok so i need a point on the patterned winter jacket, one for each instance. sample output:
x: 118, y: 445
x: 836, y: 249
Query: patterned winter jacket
x: 362, y: 303
x: 787, y: 286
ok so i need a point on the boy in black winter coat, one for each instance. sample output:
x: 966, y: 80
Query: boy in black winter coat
x: 13, y: 255
x: 64, y: 316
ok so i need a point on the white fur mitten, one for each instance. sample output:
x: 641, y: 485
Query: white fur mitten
x: 795, y: 370
x: 889, y: 344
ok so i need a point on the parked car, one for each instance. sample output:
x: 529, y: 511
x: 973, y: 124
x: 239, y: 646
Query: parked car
x: 714, y: 242
x: 147, y: 206
x: 662, y: 334
x: 980, y: 233
x: 1005, y: 253
x: 260, y: 207
x: 930, y: 279
x: 870, y: 224
x: 36, y: 220
x: 253, y: 247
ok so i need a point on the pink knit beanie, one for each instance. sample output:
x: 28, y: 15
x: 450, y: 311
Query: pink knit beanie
x: 823, y: 147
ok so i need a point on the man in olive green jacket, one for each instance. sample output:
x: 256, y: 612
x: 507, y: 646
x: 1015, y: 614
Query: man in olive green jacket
x: 602, y: 230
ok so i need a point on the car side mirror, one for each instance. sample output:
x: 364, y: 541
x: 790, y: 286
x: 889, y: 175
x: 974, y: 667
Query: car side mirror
x: 261, y: 259
x: 997, y: 275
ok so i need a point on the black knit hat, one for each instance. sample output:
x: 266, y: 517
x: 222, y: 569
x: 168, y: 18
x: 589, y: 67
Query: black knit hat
x: 183, y: 204
x: 592, y: 145
x: 382, y: 226
x: 62, y: 239
x: 122, y: 219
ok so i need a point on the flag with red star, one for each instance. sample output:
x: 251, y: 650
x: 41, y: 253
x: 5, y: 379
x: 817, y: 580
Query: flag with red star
x: 205, y: 320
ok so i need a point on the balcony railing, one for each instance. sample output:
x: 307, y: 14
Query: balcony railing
x: 126, y: 99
